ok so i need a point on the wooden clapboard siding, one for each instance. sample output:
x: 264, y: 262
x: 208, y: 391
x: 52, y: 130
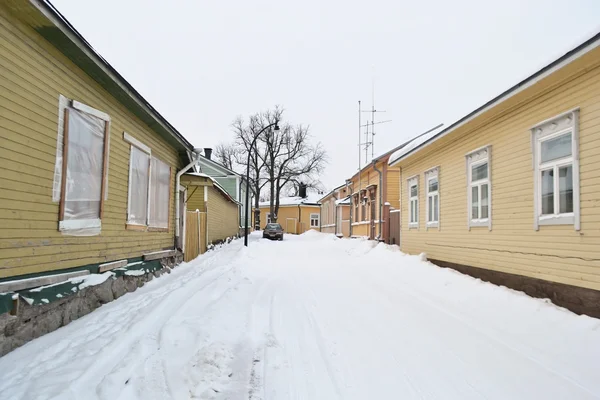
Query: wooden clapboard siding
x: 553, y: 253
x: 222, y: 216
x: 393, y: 187
x: 34, y: 74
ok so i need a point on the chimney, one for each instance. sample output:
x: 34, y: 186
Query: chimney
x: 208, y: 152
x: 302, y: 190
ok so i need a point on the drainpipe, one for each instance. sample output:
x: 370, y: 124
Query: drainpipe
x: 195, y: 160
x: 335, y: 214
x: 351, y: 207
x: 380, y: 195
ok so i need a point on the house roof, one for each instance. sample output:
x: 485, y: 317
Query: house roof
x: 383, y: 156
x: 413, y: 143
x: 216, y: 184
x: 218, y: 165
x: 44, y: 18
x: 555, y: 65
x: 332, y: 190
x: 311, y: 200
x: 346, y: 200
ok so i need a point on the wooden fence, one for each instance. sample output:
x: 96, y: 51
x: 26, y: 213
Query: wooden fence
x: 195, y: 235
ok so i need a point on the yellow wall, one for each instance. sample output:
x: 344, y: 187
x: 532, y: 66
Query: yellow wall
x: 195, y: 191
x: 328, y: 210
x: 33, y: 76
x: 554, y: 253
x: 393, y: 187
x: 223, y: 217
x: 301, y: 217
x: 305, y: 212
x: 361, y: 226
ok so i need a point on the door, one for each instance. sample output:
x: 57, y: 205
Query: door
x: 195, y: 236
x: 290, y: 225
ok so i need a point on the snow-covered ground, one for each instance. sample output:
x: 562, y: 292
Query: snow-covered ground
x: 313, y: 317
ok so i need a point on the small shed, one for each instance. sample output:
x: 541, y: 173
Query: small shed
x: 211, y: 214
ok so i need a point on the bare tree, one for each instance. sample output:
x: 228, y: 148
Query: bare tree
x: 226, y: 154
x: 280, y: 159
x: 289, y: 158
x: 245, y: 133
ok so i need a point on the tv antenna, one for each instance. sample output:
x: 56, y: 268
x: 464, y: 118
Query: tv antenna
x: 369, y: 141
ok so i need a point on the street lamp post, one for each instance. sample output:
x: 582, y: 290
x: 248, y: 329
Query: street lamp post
x: 276, y: 128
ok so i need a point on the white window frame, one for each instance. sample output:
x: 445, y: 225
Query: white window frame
x: 430, y: 175
x: 83, y: 227
x: 142, y: 147
x: 567, y: 122
x: 474, y: 158
x: 313, y: 217
x: 413, y: 181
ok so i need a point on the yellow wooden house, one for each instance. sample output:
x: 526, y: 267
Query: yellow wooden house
x: 88, y: 165
x: 374, y: 193
x: 510, y: 193
x: 335, y: 211
x: 212, y: 215
x: 296, y: 215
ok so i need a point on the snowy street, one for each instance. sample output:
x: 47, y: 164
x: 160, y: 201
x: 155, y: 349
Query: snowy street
x: 313, y: 317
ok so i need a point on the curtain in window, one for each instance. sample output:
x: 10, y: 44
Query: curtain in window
x: 84, y: 166
x: 138, y: 187
x: 159, y: 194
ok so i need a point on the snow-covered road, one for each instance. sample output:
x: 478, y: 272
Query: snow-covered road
x: 313, y: 317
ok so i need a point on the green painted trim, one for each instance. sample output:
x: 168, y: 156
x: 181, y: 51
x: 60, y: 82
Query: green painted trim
x: 148, y: 267
x: 61, y: 290
x: 93, y: 268
x: 6, y: 302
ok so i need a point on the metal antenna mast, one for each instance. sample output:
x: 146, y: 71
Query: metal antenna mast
x: 369, y: 142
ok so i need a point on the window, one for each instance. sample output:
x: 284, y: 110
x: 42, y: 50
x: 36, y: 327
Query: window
x: 81, y: 168
x: 372, y: 203
x: 479, y: 189
x: 149, y: 189
x: 268, y: 218
x: 433, y: 197
x: 356, y: 216
x: 556, y: 164
x: 160, y: 194
x: 314, y: 220
x: 363, y: 204
x: 413, y: 202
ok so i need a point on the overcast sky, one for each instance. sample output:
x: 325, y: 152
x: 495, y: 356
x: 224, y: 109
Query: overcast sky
x: 203, y: 63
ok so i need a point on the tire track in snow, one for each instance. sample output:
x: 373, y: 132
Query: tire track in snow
x: 123, y: 326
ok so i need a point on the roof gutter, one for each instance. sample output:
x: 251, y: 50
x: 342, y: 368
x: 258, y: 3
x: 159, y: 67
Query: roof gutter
x: 549, y: 69
x: 50, y: 12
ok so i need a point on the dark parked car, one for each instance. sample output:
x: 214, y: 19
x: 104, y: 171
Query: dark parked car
x: 273, y: 231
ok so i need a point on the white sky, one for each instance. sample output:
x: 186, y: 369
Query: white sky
x: 203, y: 63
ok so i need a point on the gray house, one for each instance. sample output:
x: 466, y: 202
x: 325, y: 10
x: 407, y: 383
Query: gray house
x: 233, y: 183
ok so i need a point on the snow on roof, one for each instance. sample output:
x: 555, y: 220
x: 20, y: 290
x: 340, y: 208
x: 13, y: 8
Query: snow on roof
x: 312, y: 198
x: 345, y: 200
x: 215, y: 184
x: 198, y: 174
x: 419, y: 140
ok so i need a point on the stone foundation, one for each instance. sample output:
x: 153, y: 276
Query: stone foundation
x: 33, y: 321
